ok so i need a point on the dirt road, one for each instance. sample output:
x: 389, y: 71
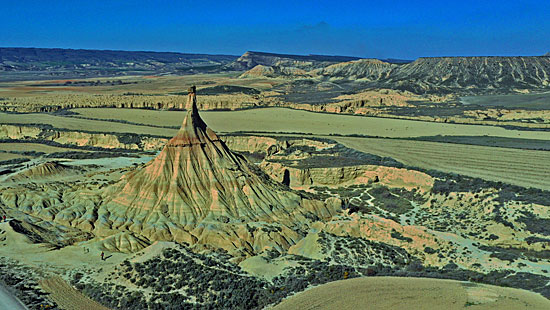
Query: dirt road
x: 8, y: 301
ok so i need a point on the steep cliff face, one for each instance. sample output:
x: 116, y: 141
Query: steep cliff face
x: 19, y: 132
x: 58, y: 102
x: 302, y: 178
x: 365, y: 69
x: 472, y: 74
x: 67, y: 137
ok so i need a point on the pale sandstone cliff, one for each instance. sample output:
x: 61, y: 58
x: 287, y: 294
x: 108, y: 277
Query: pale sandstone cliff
x: 79, y: 138
x: 303, y: 178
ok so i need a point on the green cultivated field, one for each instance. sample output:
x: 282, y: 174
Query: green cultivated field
x: 287, y: 120
x: 516, y: 166
x: 528, y: 101
x: 520, y: 167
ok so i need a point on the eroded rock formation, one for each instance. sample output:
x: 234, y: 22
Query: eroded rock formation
x: 44, y: 170
x: 198, y: 191
x: 302, y: 178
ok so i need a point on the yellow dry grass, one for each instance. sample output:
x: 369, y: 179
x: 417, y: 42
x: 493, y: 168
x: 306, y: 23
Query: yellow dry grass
x: 267, y: 120
x: 136, y: 84
x: 288, y: 120
x: 8, y: 156
x: 27, y: 147
x: 77, y: 124
x: 412, y: 293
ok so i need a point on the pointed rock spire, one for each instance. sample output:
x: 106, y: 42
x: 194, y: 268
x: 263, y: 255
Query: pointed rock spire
x: 193, y: 129
x: 198, y: 190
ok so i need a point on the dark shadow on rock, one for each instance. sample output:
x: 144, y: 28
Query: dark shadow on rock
x: 286, y: 177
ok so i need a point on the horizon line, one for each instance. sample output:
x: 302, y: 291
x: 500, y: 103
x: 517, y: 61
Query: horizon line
x: 255, y: 51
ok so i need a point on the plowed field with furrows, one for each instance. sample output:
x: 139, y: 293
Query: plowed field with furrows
x: 520, y: 167
x: 67, y: 297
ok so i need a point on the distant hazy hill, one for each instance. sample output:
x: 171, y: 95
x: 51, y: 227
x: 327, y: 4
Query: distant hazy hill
x: 251, y: 59
x: 547, y: 54
x: 69, y: 62
x: 82, y: 56
x: 437, y: 75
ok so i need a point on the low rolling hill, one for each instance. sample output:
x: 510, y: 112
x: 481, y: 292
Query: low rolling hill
x: 412, y: 293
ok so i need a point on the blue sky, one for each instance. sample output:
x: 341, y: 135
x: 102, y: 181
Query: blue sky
x: 381, y: 29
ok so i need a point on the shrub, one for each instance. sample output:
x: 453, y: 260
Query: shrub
x: 429, y: 250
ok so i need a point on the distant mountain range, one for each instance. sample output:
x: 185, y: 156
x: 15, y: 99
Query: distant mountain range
x: 438, y: 75
x: 426, y: 75
x: 251, y: 59
x: 59, y: 63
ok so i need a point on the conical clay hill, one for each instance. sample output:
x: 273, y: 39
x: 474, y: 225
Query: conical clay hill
x: 198, y: 191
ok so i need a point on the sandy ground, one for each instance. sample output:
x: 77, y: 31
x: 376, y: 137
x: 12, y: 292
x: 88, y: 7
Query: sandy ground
x: 288, y: 120
x: 9, y: 302
x: 57, y: 262
x: 18, y: 247
x: 53, y: 264
x: 412, y: 293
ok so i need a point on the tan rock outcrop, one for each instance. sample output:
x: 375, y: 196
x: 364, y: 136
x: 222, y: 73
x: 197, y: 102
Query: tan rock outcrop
x: 18, y: 132
x: 58, y: 102
x: 67, y: 137
x: 301, y: 178
x: 251, y: 144
x: 198, y: 191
